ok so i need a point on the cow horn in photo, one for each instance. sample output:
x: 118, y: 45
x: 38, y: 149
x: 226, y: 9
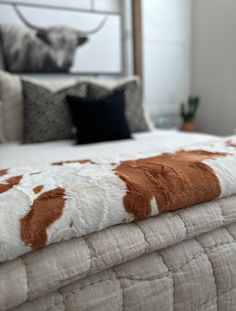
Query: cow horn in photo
x: 24, y: 20
x: 90, y: 32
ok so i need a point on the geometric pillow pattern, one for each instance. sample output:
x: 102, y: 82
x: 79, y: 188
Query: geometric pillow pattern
x: 46, y: 115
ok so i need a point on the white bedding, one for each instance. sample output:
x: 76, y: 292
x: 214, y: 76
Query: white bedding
x: 15, y: 154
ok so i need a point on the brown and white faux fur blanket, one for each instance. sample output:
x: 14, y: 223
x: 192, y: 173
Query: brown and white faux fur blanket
x: 51, y: 203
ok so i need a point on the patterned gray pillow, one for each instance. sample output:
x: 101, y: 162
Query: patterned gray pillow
x: 134, y: 110
x: 46, y: 115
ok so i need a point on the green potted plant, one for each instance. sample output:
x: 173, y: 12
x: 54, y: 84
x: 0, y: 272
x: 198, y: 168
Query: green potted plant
x: 188, y: 112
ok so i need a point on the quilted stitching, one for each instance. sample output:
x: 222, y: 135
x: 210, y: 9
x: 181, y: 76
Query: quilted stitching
x: 153, y: 288
x: 173, y: 276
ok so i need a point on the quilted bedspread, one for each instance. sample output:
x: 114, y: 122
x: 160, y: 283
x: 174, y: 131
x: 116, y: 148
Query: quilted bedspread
x: 184, y: 259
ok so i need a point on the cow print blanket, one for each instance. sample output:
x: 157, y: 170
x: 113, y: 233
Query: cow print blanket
x: 50, y: 203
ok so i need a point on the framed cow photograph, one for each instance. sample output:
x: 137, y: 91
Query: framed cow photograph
x: 38, y: 38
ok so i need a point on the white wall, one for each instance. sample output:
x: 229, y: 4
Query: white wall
x: 166, y: 59
x: 214, y: 64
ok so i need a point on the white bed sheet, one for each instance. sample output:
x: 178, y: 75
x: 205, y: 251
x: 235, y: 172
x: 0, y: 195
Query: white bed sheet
x: 15, y: 154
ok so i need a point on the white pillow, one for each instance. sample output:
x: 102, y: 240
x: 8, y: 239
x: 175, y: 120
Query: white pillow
x: 12, y: 106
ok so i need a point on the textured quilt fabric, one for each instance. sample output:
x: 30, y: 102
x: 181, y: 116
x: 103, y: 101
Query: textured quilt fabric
x: 178, y: 261
x: 112, y: 255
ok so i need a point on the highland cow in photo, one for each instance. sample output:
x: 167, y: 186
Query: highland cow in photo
x: 41, y: 49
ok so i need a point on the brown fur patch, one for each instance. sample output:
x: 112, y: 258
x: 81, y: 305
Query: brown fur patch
x: 229, y: 143
x: 3, y: 172
x: 10, y: 183
x: 72, y: 161
x: 46, y: 209
x: 174, y: 180
x: 38, y: 189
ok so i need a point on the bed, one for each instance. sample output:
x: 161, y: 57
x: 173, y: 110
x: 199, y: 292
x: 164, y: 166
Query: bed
x: 147, y: 142
x: 179, y: 260
x: 142, y: 223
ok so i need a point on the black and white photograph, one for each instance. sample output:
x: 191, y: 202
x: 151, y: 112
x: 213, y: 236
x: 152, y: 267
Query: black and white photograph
x: 41, y: 39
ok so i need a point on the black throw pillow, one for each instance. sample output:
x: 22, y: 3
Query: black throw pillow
x: 101, y: 119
